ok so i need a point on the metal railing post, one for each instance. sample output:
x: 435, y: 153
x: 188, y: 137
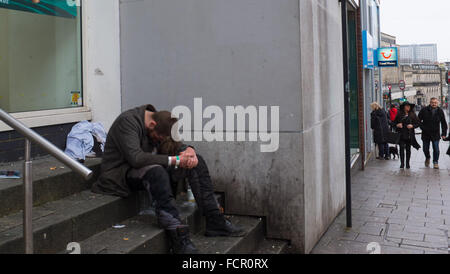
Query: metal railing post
x: 28, y: 209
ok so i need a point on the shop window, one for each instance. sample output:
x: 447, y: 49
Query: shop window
x: 40, y: 55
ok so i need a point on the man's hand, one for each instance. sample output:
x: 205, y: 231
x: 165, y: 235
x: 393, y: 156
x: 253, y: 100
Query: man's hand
x: 410, y: 126
x: 184, y: 162
x: 400, y: 125
x: 192, y: 160
x: 444, y: 137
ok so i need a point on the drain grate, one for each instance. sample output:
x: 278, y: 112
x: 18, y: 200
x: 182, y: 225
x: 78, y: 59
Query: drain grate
x: 382, y: 205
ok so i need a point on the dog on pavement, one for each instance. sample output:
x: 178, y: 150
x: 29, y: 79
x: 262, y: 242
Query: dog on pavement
x: 393, y: 151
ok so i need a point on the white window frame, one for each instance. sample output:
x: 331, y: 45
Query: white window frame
x: 33, y: 119
x: 42, y: 118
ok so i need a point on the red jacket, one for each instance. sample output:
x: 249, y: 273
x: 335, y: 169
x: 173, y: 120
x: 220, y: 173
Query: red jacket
x: 393, y: 113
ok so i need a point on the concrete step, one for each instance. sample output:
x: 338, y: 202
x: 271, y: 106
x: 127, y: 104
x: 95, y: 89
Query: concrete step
x: 233, y: 245
x: 49, y: 184
x: 71, y: 219
x: 269, y: 246
x: 141, y: 235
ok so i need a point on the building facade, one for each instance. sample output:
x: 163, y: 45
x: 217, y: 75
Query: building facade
x: 428, y: 83
x: 388, y: 40
x: 418, y: 54
x: 392, y: 76
x: 422, y: 81
x: 370, y: 88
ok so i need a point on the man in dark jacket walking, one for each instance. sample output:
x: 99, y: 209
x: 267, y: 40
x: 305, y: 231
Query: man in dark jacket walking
x: 432, y: 120
x: 131, y: 163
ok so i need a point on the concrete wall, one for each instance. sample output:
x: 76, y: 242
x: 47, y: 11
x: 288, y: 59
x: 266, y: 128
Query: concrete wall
x: 227, y: 52
x: 323, y: 116
x: 284, y: 53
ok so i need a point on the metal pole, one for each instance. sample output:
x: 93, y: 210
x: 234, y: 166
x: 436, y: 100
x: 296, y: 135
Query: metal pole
x: 347, y: 115
x: 28, y: 208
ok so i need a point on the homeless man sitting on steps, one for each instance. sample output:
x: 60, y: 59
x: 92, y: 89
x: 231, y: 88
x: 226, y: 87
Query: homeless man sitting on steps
x: 131, y: 163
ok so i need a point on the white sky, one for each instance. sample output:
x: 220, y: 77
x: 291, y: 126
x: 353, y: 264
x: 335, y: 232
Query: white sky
x: 418, y: 22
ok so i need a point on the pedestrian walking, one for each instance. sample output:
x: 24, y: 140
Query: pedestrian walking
x: 432, y: 119
x: 380, y: 126
x: 406, y: 122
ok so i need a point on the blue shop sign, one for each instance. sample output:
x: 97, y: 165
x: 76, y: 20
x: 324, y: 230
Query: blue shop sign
x: 387, y: 57
x: 368, y: 51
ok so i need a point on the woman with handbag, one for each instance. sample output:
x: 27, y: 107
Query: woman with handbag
x: 406, y: 123
x: 380, y: 126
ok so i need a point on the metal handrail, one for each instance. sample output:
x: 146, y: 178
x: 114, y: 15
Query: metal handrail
x: 31, y: 136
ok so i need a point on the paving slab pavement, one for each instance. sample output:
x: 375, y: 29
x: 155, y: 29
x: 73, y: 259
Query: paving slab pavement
x: 402, y: 211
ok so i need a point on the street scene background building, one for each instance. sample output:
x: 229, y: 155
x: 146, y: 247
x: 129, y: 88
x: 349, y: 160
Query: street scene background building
x: 418, y: 54
x: 419, y: 73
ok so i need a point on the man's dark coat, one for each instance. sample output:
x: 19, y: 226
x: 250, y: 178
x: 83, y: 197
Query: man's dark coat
x: 379, y: 124
x: 127, y: 146
x: 431, y: 125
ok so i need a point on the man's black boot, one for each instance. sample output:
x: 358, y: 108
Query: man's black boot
x: 180, y: 242
x: 218, y: 225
